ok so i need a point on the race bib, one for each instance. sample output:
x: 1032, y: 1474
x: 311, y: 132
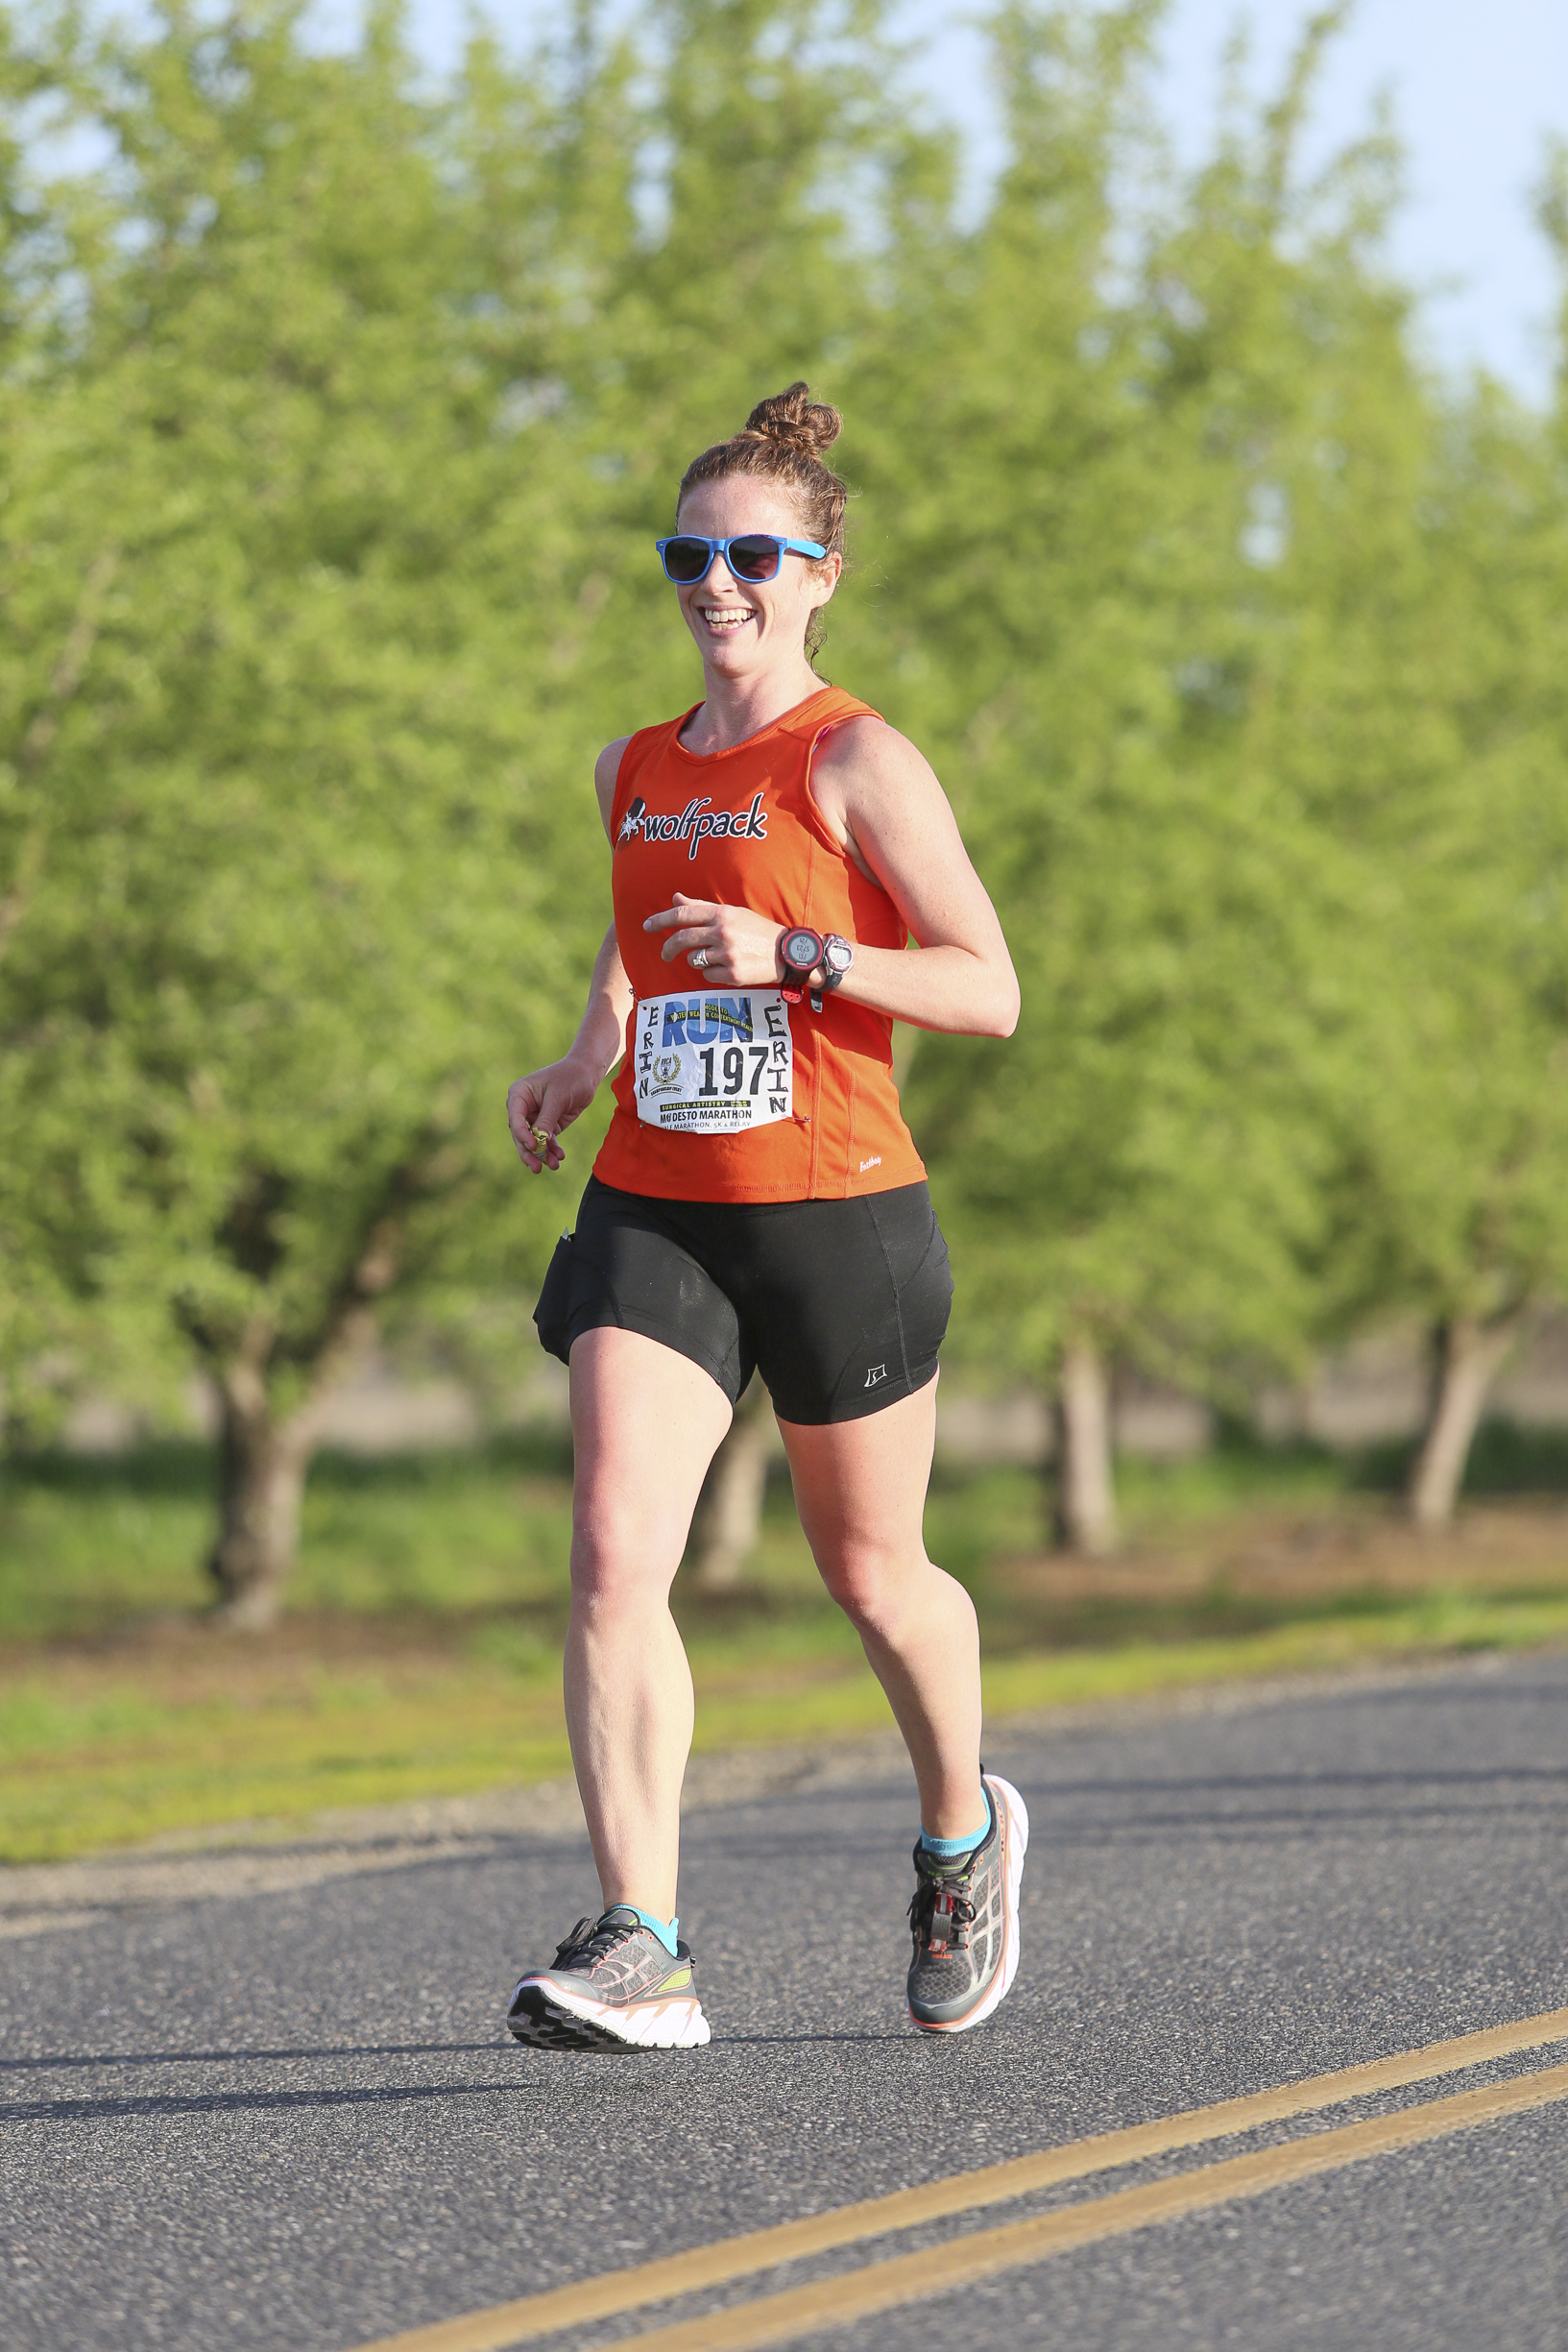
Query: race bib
x: 714, y: 1061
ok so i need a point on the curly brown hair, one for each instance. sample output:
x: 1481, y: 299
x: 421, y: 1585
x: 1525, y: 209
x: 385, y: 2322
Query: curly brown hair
x: 782, y: 440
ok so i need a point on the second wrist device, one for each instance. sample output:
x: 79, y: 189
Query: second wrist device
x: 837, y: 955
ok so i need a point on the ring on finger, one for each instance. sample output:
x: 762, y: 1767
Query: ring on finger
x: 699, y: 960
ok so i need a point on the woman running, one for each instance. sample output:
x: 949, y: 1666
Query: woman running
x: 759, y: 1205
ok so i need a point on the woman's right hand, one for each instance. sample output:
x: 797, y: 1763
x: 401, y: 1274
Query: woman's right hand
x: 543, y: 1104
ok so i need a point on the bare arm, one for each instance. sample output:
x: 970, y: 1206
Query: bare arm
x: 601, y: 1032
x: 548, y: 1100
x: 872, y: 785
x: 883, y: 800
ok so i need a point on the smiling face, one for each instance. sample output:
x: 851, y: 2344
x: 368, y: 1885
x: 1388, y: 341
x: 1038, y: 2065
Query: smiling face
x: 743, y: 627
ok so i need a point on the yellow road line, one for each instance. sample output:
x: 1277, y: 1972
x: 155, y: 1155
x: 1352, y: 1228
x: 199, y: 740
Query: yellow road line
x: 615, y: 2291
x: 883, y: 2285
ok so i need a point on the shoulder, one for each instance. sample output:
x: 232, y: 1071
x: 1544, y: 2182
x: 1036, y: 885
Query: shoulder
x: 881, y: 799
x: 865, y: 764
x: 607, y: 766
x: 606, y: 775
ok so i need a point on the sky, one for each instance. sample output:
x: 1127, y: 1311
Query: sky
x: 1476, y: 86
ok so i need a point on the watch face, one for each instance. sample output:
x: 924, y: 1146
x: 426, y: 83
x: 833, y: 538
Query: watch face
x: 839, y: 955
x: 801, y: 950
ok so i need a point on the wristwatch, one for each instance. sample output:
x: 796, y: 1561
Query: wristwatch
x: 801, y: 952
x: 805, y: 952
x: 837, y: 955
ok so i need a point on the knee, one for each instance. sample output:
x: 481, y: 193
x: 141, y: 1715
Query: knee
x: 871, y: 1583
x: 618, y: 1564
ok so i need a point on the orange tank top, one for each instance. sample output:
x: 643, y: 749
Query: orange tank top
x: 734, y: 1095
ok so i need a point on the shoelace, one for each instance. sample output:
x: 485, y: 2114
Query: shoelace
x: 591, y: 1940
x: 940, y: 1915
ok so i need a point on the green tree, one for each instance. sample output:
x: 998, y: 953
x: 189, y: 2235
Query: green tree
x: 1449, y: 1201
x: 367, y: 407
x: 62, y: 1192
x: 309, y: 886
x: 336, y: 415
x: 1138, y: 1174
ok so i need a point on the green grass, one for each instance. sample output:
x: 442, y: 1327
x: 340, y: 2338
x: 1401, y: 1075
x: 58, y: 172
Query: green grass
x: 105, y: 1766
x: 105, y: 1763
x: 421, y: 1653
x: 1236, y: 1473
x: 1444, y: 1623
x: 86, y: 1546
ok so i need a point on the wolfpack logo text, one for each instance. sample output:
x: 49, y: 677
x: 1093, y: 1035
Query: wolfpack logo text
x: 693, y: 824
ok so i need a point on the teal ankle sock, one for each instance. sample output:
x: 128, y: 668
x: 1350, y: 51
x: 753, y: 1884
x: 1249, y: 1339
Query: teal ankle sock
x: 953, y: 1849
x: 667, y: 1931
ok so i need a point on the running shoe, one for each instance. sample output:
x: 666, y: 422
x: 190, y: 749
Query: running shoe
x: 964, y: 1916
x: 611, y: 1985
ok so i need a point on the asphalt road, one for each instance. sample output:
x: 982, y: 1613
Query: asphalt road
x: 292, y: 2119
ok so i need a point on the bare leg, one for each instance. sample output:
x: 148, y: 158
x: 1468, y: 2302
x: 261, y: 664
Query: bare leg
x: 860, y: 1492
x: 645, y: 1422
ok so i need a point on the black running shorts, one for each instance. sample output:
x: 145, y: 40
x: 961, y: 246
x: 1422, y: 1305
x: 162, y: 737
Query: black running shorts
x: 842, y: 1304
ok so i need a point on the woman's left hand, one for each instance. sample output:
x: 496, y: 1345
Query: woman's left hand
x: 730, y: 944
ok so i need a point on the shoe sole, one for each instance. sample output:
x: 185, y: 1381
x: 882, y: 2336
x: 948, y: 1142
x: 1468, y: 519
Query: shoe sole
x: 545, y: 2016
x: 1015, y: 1845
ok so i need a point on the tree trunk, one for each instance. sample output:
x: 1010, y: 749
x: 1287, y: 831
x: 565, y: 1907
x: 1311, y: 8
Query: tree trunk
x: 263, y: 1461
x: 262, y: 1468
x: 728, y: 1522
x: 1085, y: 1491
x: 1469, y: 1355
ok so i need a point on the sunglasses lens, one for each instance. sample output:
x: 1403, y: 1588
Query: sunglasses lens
x: 754, y: 559
x: 686, y: 560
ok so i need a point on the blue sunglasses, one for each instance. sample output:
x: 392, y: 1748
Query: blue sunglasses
x: 753, y: 557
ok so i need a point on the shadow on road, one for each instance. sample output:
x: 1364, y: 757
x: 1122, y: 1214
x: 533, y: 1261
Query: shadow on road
x: 239, y: 2057
x: 227, y: 2102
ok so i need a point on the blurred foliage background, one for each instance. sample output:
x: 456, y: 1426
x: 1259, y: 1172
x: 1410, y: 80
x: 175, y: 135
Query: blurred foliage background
x: 338, y: 407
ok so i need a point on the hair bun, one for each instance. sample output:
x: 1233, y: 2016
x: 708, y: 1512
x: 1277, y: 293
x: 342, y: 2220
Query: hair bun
x: 793, y: 421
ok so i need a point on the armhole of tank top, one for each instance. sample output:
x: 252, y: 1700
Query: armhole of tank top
x: 819, y: 823
x: 640, y: 749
